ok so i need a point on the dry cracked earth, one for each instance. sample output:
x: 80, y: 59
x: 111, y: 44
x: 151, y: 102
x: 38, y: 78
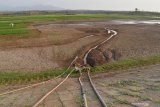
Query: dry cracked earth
x: 58, y: 44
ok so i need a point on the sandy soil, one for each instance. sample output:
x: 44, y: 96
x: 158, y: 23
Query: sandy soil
x: 137, y: 86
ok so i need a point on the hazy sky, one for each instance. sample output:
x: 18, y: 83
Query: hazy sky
x: 148, y: 5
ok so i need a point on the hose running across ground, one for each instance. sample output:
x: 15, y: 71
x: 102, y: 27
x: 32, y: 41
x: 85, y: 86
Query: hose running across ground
x: 37, y: 84
x: 90, y: 80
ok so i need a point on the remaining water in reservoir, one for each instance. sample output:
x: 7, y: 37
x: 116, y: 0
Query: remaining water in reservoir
x: 135, y: 22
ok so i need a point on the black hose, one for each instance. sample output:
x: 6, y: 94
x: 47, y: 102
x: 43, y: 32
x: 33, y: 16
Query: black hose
x: 82, y: 91
x: 95, y: 90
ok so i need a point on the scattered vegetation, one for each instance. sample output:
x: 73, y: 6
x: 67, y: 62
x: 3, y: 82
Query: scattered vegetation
x: 128, y: 63
x: 23, y: 77
x: 80, y: 101
x: 109, y: 104
x: 154, y: 88
x: 157, y: 101
x: 123, y: 83
x: 119, y: 100
x: 140, y: 90
x: 133, y: 94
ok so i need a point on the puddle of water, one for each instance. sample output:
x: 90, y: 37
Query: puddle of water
x: 135, y: 22
x: 78, y: 24
x: 151, y: 22
x: 156, y: 17
x: 115, y: 22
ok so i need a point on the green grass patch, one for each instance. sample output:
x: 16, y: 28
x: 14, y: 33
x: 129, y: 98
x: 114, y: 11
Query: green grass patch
x: 127, y: 63
x: 25, y: 77
x: 54, y: 17
x: 14, y: 31
x: 21, y: 22
x: 20, y: 27
x: 7, y: 25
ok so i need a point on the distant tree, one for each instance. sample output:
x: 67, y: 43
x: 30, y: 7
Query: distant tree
x: 136, y: 9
